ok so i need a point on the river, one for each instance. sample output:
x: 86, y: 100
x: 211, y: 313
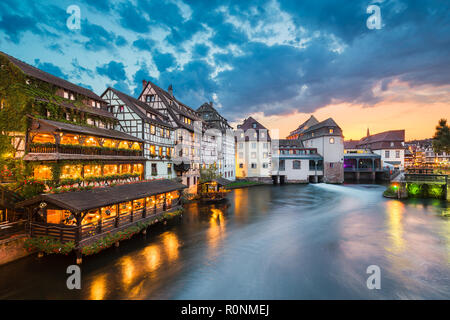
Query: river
x: 268, y: 242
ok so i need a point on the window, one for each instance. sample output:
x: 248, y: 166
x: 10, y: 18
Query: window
x: 154, y: 169
x: 253, y: 165
x: 152, y: 129
x: 254, y: 125
x: 253, y: 145
x: 265, y: 145
x: 392, y: 144
x: 265, y: 155
x: 282, y: 165
x: 241, y: 154
x: 241, y: 145
x: 253, y: 155
x: 331, y: 140
x: 241, y: 165
x: 169, y: 168
x: 331, y: 130
x: 331, y: 165
x: 386, y: 154
x: 397, y: 153
x: 265, y: 165
x: 296, y: 164
x: 150, y: 98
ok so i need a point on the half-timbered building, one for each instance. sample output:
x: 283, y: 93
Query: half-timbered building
x: 188, y: 131
x: 144, y: 122
x: 224, y: 139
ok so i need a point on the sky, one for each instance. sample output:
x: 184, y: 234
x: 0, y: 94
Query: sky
x: 279, y: 61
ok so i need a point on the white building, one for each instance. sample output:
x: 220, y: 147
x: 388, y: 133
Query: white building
x: 140, y: 120
x: 253, y: 151
x: 188, y: 131
x: 390, y: 145
x: 220, y: 132
x: 326, y: 136
x: 293, y: 163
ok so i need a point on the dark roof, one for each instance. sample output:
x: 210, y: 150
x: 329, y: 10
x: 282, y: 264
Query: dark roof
x: 292, y: 143
x: 172, y: 105
x: 221, y: 181
x: 351, y: 144
x: 214, y: 119
x: 47, y: 77
x: 326, y: 123
x: 84, y: 108
x: 140, y: 107
x: 248, y: 124
x: 383, y: 140
x: 79, y: 201
x: 305, y: 125
x: 107, y: 133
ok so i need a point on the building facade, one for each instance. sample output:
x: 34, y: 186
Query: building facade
x: 188, y: 127
x: 224, y: 139
x: 142, y: 121
x: 293, y: 163
x: 326, y: 136
x: 253, y: 151
x: 390, y: 145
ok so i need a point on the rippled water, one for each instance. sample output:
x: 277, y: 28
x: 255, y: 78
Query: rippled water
x: 268, y: 242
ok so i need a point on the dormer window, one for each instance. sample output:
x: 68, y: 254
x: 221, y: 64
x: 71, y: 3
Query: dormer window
x: 150, y: 98
x: 254, y: 125
x: 331, y: 130
x: 392, y: 144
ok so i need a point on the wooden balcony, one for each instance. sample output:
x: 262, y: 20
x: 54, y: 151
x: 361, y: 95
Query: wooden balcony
x: 93, y: 151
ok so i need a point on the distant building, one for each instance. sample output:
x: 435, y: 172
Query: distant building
x: 253, y: 150
x: 224, y: 140
x: 390, y: 145
x: 326, y: 136
x: 360, y: 162
x: 293, y: 163
x: 298, y: 133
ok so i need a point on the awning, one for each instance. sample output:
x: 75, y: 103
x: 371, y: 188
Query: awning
x: 79, y: 201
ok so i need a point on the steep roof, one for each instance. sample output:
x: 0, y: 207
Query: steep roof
x: 351, y: 144
x: 248, y: 124
x: 216, y: 120
x: 79, y: 201
x: 141, y: 108
x: 392, y: 135
x: 290, y: 143
x: 325, y: 123
x: 47, y: 77
x: 305, y: 125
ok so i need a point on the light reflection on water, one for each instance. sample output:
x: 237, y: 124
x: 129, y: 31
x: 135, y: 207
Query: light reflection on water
x: 291, y: 242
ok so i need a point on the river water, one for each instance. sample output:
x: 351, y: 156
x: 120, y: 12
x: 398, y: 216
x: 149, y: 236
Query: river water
x: 268, y: 242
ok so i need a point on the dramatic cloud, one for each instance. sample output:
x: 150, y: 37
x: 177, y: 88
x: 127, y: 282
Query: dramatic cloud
x: 275, y: 57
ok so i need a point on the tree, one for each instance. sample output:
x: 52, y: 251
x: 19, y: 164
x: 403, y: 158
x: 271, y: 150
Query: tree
x: 209, y: 173
x: 441, y: 139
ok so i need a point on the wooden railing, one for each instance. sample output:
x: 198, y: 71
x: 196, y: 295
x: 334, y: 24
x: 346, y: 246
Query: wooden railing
x: 74, y: 233
x: 426, y: 178
x: 66, y: 149
x: 9, y: 228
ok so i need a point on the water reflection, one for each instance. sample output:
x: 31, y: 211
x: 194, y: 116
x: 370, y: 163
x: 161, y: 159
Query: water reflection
x: 171, y: 244
x: 153, y: 257
x: 128, y: 269
x: 394, y: 211
x: 98, y: 288
x: 216, y: 231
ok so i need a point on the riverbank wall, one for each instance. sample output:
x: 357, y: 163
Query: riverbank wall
x: 12, y: 249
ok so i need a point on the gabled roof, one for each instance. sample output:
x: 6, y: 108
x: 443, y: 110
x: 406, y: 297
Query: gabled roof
x: 326, y: 123
x: 47, y: 77
x: 215, y: 120
x: 173, y: 105
x: 106, y: 133
x: 290, y: 143
x: 305, y: 125
x: 141, y: 108
x: 248, y: 124
x: 392, y: 135
x: 351, y: 144
x: 79, y: 201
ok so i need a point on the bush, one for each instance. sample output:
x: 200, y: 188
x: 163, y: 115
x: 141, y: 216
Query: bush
x: 48, y: 245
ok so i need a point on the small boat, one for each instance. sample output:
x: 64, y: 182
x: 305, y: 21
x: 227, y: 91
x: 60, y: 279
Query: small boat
x: 213, y: 190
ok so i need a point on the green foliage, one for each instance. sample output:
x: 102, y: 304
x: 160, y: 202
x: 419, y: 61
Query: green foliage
x: 48, y: 245
x: 391, y: 191
x: 209, y: 174
x: 414, y: 190
x: 436, y: 191
x: 441, y: 139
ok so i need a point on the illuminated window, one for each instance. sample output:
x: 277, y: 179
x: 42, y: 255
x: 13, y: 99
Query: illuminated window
x: 109, y: 211
x: 136, y: 146
x: 124, y: 145
x: 138, y: 168
x: 125, y: 168
x: 92, y: 170
x: 71, y: 171
x: 109, y: 169
x: 331, y: 140
x: 138, y: 204
x: 109, y: 143
x: 44, y: 138
x: 91, y: 217
x: 42, y: 172
x: 69, y: 139
x: 152, y: 149
x: 152, y: 129
x: 91, y: 142
x: 60, y: 216
x: 331, y: 131
x: 125, y: 207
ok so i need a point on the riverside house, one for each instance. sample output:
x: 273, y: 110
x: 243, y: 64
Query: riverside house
x: 188, y: 131
x: 140, y: 120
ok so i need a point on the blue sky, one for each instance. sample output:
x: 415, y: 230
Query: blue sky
x: 272, y: 58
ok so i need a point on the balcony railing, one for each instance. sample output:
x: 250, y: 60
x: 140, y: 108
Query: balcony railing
x: 95, y: 151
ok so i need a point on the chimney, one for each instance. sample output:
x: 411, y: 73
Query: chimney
x: 170, y: 90
x: 144, y: 84
x: 368, y: 133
